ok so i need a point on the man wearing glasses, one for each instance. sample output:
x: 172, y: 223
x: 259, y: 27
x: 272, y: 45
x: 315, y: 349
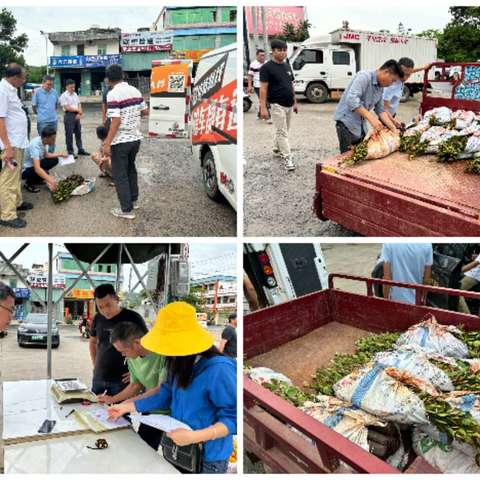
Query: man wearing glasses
x: 7, y: 306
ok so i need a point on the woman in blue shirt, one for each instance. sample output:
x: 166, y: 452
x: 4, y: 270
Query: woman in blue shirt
x: 201, y: 386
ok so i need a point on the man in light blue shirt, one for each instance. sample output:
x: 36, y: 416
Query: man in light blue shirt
x: 40, y: 158
x: 364, y: 93
x: 408, y: 263
x: 44, y: 103
x: 393, y: 94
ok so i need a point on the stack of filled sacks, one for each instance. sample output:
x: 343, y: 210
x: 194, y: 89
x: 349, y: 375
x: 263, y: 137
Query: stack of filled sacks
x: 417, y: 385
x: 450, y: 135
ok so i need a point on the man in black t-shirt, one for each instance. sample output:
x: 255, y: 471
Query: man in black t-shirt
x: 276, y: 87
x: 110, y: 372
x: 228, y: 345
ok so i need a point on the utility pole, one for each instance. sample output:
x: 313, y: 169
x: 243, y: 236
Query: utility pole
x: 255, y: 27
x: 264, y: 30
x: 45, y: 35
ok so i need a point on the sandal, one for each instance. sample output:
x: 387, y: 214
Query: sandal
x: 31, y: 188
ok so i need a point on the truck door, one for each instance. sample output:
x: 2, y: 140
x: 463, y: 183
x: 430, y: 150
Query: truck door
x: 169, y: 98
x: 309, y: 66
x: 342, y: 67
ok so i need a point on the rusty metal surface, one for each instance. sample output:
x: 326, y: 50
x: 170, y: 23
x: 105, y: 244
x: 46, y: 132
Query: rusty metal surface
x: 423, y: 178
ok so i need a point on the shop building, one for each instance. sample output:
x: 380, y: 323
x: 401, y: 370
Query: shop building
x: 80, y: 299
x: 219, y: 294
x: 198, y: 30
x: 83, y: 57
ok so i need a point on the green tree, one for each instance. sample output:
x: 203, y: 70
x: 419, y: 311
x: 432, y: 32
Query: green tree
x: 195, y: 298
x: 35, y: 74
x: 460, y: 41
x: 292, y: 33
x: 11, y: 46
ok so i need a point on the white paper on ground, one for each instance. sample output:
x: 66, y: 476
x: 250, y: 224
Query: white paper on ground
x: 161, y: 422
x: 68, y: 160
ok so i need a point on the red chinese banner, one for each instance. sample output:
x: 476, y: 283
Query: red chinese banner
x: 276, y: 18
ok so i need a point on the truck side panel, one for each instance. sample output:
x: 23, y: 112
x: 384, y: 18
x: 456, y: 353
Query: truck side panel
x: 271, y: 327
x: 380, y: 315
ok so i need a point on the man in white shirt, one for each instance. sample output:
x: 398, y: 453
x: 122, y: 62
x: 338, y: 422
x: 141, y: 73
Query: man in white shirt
x: 13, y: 141
x: 73, y: 112
x: 125, y: 105
x: 469, y: 281
x: 393, y: 94
x: 254, y: 76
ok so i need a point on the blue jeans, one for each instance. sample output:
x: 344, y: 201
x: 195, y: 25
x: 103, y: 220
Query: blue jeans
x: 215, y: 467
x: 112, y: 388
x: 42, y: 125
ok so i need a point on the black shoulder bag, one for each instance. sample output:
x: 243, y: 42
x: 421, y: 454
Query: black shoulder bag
x: 187, y: 458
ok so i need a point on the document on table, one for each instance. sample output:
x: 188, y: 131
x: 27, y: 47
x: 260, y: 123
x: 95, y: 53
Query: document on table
x: 161, y: 422
x: 68, y: 160
x: 96, y: 418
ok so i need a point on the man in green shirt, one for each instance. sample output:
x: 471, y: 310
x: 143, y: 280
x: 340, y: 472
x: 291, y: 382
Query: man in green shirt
x: 147, y: 372
x: 147, y: 369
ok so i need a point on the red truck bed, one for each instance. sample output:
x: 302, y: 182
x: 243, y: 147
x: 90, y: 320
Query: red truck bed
x: 396, y: 196
x: 267, y: 333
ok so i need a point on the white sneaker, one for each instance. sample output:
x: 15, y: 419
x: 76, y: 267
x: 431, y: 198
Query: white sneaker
x: 270, y: 121
x: 117, y: 212
x: 136, y: 206
x: 289, y: 164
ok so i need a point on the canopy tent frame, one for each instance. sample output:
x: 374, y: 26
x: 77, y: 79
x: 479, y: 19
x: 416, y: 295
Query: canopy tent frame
x: 50, y: 303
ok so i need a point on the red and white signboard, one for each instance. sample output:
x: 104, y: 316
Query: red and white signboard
x: 146, y: 42
x: 214, y: 117
x: 276, y: 18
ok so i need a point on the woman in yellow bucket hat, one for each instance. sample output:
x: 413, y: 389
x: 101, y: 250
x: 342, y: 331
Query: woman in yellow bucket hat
x: 201, y: 386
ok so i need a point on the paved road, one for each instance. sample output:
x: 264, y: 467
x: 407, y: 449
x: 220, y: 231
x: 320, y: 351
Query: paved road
x: 279, y: 203
x: 172, y: 198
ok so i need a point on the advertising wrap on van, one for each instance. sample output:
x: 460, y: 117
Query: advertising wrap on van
x: 213, y: 107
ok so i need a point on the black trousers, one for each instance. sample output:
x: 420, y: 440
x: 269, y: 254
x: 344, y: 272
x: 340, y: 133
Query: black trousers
x: 346, y: 138
x: 72, y: 127
x: 30, y: 175
x: 124, y: 173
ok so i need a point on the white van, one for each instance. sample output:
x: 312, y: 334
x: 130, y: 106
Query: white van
x: 213, y: 122
x: 170, y: 90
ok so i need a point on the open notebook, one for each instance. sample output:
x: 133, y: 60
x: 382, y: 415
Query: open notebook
x: 96, y: 418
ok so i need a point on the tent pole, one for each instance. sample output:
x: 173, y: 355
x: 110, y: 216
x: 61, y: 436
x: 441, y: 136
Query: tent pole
x: 119, y: 268
x: 49, y: 310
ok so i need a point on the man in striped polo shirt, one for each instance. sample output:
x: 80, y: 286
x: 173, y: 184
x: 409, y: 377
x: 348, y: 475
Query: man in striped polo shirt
x: 125, y: 105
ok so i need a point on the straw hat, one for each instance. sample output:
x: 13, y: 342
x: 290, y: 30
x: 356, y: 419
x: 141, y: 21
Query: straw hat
x: 177, y: 333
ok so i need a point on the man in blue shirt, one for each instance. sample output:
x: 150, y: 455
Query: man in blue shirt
x: 40, y: 158
x: 408, y: 263
x: 44, y: 103
x: 364, y: 93
x: 393, y: 94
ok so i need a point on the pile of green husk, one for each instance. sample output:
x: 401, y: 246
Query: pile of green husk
x: 66, y: 187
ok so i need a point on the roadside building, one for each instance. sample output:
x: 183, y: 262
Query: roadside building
x: 219, y: 295
x: 138, y: 50
x: 83, y: 56
x: 22, y: 293
x: 198, y: 30
x: 38, y: 281
x: 80, y: 298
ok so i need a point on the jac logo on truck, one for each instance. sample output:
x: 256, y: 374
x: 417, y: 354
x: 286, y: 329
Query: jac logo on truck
x: 214, y: 113
x: 351, y: 36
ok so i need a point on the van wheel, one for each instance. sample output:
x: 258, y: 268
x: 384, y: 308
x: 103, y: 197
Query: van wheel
x: 406, y: 94
x: 317, y: 93
x: 210, y: 177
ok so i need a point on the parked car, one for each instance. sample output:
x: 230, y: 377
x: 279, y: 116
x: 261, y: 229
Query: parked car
x: 33, y: 331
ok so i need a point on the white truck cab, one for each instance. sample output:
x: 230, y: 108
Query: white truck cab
x: 325, y: 64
